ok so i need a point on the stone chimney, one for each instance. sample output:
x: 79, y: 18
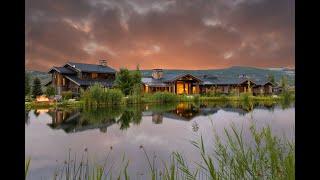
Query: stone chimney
x: 103, y: 62
x: 157, y: 73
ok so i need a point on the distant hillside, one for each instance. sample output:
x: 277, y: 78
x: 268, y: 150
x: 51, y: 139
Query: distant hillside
x: 43, y: 76
x: 234, y: 71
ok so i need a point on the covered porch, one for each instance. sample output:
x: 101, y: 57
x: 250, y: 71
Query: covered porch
x: 186, y: 84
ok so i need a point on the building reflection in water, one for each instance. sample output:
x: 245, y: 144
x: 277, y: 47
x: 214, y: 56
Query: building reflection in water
x: 26, y: 117
x: 76, y: 120
x: 195, y: 126
x: 157, y: 118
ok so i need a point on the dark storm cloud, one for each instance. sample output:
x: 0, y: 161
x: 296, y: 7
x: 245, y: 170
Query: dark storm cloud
x: 170, y: 34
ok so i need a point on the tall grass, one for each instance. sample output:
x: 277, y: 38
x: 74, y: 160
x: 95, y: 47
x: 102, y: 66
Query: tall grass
x: 261, y: 156
x: 267, y: 157
x: 97, y: 96
x: 164, y: 97
x: 26, y: 170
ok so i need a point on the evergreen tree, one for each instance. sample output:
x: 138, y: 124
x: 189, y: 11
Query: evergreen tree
x: 136, y: 76
x: 27, y: 87
x: 271, y: 78
x: 284, y: 83
x: 36, y: 88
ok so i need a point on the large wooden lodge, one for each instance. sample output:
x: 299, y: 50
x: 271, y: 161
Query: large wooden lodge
x: 187, y: 83
x: 76, y: 76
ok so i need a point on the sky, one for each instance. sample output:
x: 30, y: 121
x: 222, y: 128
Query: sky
x: 171, y: 34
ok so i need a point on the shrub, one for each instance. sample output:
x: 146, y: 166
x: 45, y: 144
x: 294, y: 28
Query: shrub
x: 234, y: 92
x: 286, y: 98
x: 223, y: 97
x: 196, y: 97
x: 164, y: 97
x: 135, y: 97
x: 50, y: 91
x: 28, y: 99
x: 97, y: 95
x: 66, y: 95
x: 113, y: 96
x: 212, y: 93
x: 245, y: 97
x: 246, y: 100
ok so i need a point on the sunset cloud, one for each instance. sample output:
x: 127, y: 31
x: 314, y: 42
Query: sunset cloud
x: 184, y: 34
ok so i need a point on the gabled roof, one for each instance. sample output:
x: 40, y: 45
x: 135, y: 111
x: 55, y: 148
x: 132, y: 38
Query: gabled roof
x: 90, y: 67
x: 62, y: 70
x: 48, y: 83
x: 262, y: 82
x: 153, y: 82
x: 89, y: 82
x: 176, y: 77
x: 162, y: 82
x: 224, y: 80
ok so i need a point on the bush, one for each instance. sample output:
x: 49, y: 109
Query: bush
x: 135, y: 97
x: 50, y: 91
x: 113, y: 96
x: 246, y: 101
x: 28, y: 99
x: 234, y: 92
x: 245, y: 97
x: 286, y: 98
x: 164, y: 97
x: 223, y: 97
x: 212, y: 93
x: 196, y: 97
x: 66, y: 95
x: 97, y: 95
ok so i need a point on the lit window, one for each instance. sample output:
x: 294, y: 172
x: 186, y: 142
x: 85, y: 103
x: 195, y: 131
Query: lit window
x: 182, y: 89
x: 94, y: 75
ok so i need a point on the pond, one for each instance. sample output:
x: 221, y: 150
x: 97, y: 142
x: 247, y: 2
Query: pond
x: 160, y: 129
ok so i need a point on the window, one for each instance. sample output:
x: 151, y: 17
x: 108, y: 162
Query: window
x: 194, y: 90
x: 63, y: 81
x: 94, y: 75
x: 182, y: 88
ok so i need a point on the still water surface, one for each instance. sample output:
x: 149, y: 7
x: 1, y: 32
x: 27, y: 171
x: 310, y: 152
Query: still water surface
x: 161, y: 129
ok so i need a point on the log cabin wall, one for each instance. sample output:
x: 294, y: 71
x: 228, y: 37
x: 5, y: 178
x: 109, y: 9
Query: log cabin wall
x: 57, y: 79
x: 94, y: 75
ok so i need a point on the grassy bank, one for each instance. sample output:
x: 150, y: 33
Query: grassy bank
x: 261, y: 156
x: 45, y: 105
x: 98, y: 97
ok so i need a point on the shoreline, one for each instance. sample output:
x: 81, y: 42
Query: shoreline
x: 80, y: 103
